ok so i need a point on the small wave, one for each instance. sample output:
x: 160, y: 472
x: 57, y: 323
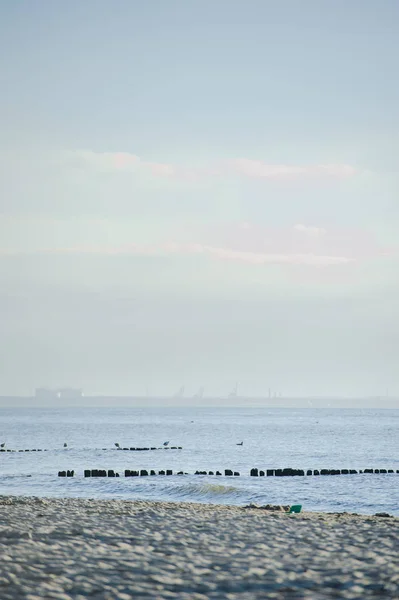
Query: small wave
x: 172, y: 490
x: 203, y: 492
x: 205, y: 489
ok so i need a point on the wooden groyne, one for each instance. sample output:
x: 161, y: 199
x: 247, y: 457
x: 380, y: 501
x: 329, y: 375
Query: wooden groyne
x: 287, y: 472
x: 65, y: 447
x: 27, y: 450
x: 152, y: 448
x: 66, y: 473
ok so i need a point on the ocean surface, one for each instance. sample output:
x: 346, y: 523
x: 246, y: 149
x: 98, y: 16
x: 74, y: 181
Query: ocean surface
x: 272, y: 438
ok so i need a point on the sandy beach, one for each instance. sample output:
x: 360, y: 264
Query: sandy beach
x: 117, y: 550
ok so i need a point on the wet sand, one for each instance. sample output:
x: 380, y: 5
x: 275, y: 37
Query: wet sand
x: 117, y: 550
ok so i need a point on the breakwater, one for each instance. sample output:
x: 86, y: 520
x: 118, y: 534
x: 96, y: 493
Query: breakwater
x: 65, y: 448
x: 287, y: 472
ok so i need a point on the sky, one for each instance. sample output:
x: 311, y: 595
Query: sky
x: 199, y: 194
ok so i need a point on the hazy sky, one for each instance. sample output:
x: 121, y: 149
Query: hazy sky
x: 199, y: 193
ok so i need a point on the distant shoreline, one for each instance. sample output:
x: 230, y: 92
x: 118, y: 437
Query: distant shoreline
x: 206, y: 402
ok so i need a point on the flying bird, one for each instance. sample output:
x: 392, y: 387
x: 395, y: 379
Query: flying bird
x: 165, y: 443
x: 240, y: 444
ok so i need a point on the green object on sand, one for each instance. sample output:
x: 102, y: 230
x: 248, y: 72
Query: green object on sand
x: 296, y: 508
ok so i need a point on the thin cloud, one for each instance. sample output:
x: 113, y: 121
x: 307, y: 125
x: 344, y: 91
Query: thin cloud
x: 217, y: 253
x: 260, y: 169
x: 298, y: 240
x: 258, y: 258
x: 121, y: 161
x: 242, y: 167
x: 243, y: 242
x: 314, y: 232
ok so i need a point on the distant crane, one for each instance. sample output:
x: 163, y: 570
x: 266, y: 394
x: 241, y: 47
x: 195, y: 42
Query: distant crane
x: 179, y: 393
x: 200, y: 393
x: 234, y: 393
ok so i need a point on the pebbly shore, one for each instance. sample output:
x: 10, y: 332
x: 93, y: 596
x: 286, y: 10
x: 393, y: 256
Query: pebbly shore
x: 118, y: 550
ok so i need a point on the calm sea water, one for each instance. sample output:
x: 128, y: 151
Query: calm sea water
x: 272, y: 438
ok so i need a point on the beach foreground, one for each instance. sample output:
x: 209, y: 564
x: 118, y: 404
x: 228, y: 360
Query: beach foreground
x: 116, y: 550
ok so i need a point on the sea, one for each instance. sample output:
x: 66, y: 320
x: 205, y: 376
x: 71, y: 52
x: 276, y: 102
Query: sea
x: 272, y: 438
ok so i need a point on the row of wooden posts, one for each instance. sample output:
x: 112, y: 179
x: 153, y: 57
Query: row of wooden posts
x: 32, y: 450
x: 154, y: 448
x: 228, y: 472
x: 132, y: 449
x: 309, y: 472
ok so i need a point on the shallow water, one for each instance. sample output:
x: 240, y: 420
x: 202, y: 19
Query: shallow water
x: 273, y: 438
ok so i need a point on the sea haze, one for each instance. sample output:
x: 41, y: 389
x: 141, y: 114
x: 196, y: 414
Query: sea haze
x: 272, y: 438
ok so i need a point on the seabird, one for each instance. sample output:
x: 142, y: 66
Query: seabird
x: 116, y: 444
x: 240, y: 444
x: 65, y: 445
x: 2, y: 445
x: 165, y: 443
